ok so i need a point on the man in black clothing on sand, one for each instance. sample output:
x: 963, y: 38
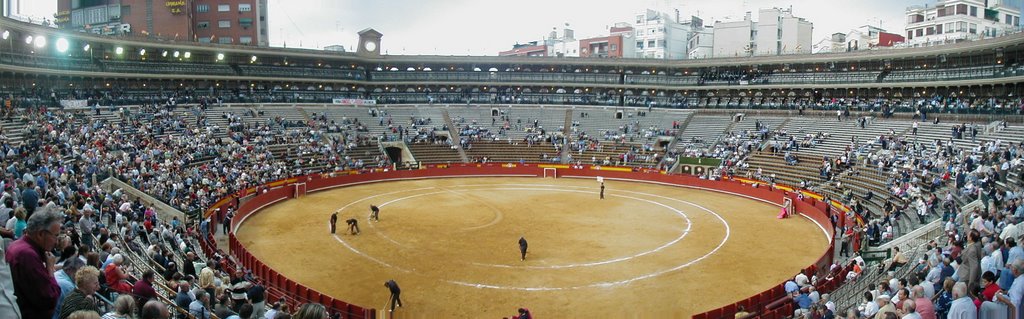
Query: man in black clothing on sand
x: 334, y: 221
x: 353, y: 226
x: 602, y: 190
x: 522, y: 247
x: 396, y: 293
x: 374, y: 213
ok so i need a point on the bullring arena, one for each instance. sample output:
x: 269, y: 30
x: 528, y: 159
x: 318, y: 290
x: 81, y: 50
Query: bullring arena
x: 896, y: 155
x: 667, y: 250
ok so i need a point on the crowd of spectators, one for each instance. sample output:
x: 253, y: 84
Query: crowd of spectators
x: 71, y: 247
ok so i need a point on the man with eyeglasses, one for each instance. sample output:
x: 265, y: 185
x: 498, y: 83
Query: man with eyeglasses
x: 32, y: 265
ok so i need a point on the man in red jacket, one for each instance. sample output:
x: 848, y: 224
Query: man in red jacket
x: 32, y: 265
x: 143, y: 289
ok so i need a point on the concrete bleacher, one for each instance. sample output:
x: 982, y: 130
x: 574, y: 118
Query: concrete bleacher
x: 521, y: 119
x: 430, y: 153
x: 517, y: 151
x: 806, y: 170
x: 702, y: 131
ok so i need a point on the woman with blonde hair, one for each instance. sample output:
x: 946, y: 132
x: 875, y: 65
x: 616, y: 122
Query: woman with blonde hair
x: 87, y: 282
x: 311, y: 311
x: 124, y: 308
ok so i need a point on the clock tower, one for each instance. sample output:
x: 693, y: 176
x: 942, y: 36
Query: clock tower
x: 369, y: 42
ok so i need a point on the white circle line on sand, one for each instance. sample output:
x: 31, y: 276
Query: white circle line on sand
x: 597, y: 284
x: 368, y: 256
x: 683, y: 234
x: 686, y: 231
x: 607, y: 284
x: 375, y: 196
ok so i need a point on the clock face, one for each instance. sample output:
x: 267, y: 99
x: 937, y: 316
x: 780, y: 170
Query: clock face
x: 370, y: 45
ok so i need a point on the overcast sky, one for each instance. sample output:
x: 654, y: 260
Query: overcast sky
x: 485, y: 27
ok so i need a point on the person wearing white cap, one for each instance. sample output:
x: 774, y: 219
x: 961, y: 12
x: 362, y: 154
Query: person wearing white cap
x: 884, y: 306
x: 962, y: 307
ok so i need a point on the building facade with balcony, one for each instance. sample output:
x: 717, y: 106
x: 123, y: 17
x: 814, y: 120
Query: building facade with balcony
x: 950, y: 21
x: 241, y: 22
x: 658, y: 35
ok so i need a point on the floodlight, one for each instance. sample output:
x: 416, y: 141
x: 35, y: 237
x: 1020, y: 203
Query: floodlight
x: 220, y: 56
x: 62, y: 45
x: 142, y: 51
x: 28, y: 40
x: 40, y: 42
x: 7, y: 34
x: 119, y: 50
x: 87, y: 47
x: 177, y: 54
x: 188, y: 55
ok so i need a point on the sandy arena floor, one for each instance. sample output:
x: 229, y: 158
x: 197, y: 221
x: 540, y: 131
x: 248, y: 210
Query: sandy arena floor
x: 646, y: 251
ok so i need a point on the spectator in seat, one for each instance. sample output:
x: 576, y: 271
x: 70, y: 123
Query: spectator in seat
x: 143, y: 289
x: 117, y: 278
x: 311, y: 311
x: 200, y: 307
x: 155, y: 310
x: 884, y: 306
x: 87, y: 282
x: 65, y: 278
x: 962, y: 307
x: 124, y: 308
x: 923, y: 305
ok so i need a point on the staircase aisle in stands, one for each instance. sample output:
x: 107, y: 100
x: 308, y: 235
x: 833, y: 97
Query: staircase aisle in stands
x: 566, y: 133
x: 676, y: 137
x: 458, y: 144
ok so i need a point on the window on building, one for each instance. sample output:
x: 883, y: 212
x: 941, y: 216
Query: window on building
x: 973, y: 28
x: 919, y: 32
x: 245, y: 40
x: 930, y: 31
x: 614, y: 47
x: 245, y: 22
x: 650, y: 44
x: 127, y: 11
x: 224, y: 24
x: 639, y: 18
x: 961, y: 9
x: 938, y: 29
x: 1009, y: 19
x: 203, y: 8
x: 639, y: 44
x: 225, y: 40
x: 223, y: 7
x: 244, y: 7
x: 203, y: 25
x: 950, y: 27
x: 661, y: 43
x: 204, y: 40
x: 961, y: 26
x: 974, y: 11
x: 910, y: 35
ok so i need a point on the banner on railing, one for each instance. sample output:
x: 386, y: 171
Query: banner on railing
x: 354, y: 102
x: 74, y: 103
